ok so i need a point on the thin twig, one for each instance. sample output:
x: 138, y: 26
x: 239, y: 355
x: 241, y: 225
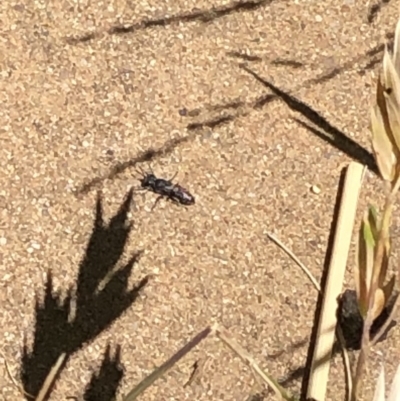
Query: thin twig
x: 161, y: 370
x: 13, y: 380
x: 296, y: 260
x: 224, y: 335
x: 335, y: 272
x: 342, y: 342
x: 51, y: 377
x: 354, y: 178
x: 346, y: 360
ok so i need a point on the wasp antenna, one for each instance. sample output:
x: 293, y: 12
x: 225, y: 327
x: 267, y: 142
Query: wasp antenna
x: 140, y: 171
x: 173, y: 177
x: 151, y: 170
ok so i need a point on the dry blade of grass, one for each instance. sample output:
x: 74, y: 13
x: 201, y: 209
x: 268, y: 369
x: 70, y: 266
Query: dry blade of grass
x: 296, y: 260
x: 385, y: 128
x: 224, y: 336
x: 279, y: 391
x: 160, y: 371
x: 380, y: 387
x: 47, y: 383
x: 394, y: 394
x: 319, y: 373
x: 328, y: 317
x: 13, y: 380
x: 340, y: 337
x: 50, y: 378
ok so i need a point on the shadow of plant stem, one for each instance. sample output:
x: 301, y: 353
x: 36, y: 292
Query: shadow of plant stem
x: 146, y: 156
x: 201, y: 16
x: 65, y: 324
x: 330, y: 133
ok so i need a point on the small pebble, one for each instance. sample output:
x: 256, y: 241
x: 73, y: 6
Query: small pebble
x: 315, y: 189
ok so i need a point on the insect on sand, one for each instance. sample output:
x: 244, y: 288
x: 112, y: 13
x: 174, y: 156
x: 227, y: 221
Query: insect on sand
x: 165, y: 188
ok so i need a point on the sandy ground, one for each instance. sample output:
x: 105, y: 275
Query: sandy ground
x: 251, y: 103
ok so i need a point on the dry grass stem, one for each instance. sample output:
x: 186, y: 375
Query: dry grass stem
x: 51, y: 378
x: 13, y: 380
x: 161, y: 370
x: 328, y: 320
x: 249, y: 360
x: 296, y: 260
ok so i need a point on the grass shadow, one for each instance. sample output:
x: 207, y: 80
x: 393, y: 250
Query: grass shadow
x: 344, y: 144
x: 146, y: 156
x: 240, y: 108
x: 243, y: 56
x: 329, y: 133
x: 374, y: 10
x: 65, y: 323
x: 202, y: 16
x: 104, y: 384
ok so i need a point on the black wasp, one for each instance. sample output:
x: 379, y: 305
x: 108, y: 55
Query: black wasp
x: 165, y: 189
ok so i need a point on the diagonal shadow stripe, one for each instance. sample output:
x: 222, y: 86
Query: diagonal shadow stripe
x: 330, y: 134
x: 202, y: 16
x: 145, y: 156
x: 375, y: 9
x: 344, y: 144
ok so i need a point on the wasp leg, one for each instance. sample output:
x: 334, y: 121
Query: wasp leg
x: 151, y: 170
x: 173, y: 177
x: 155, y: 203
x: 139, y: 189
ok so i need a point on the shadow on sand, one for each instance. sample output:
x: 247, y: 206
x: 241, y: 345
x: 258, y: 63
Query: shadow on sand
x: 101, y: 295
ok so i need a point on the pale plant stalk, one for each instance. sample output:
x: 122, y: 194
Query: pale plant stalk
x: 380, y: 250
x: 385, y: 125
x: 394, y: 393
